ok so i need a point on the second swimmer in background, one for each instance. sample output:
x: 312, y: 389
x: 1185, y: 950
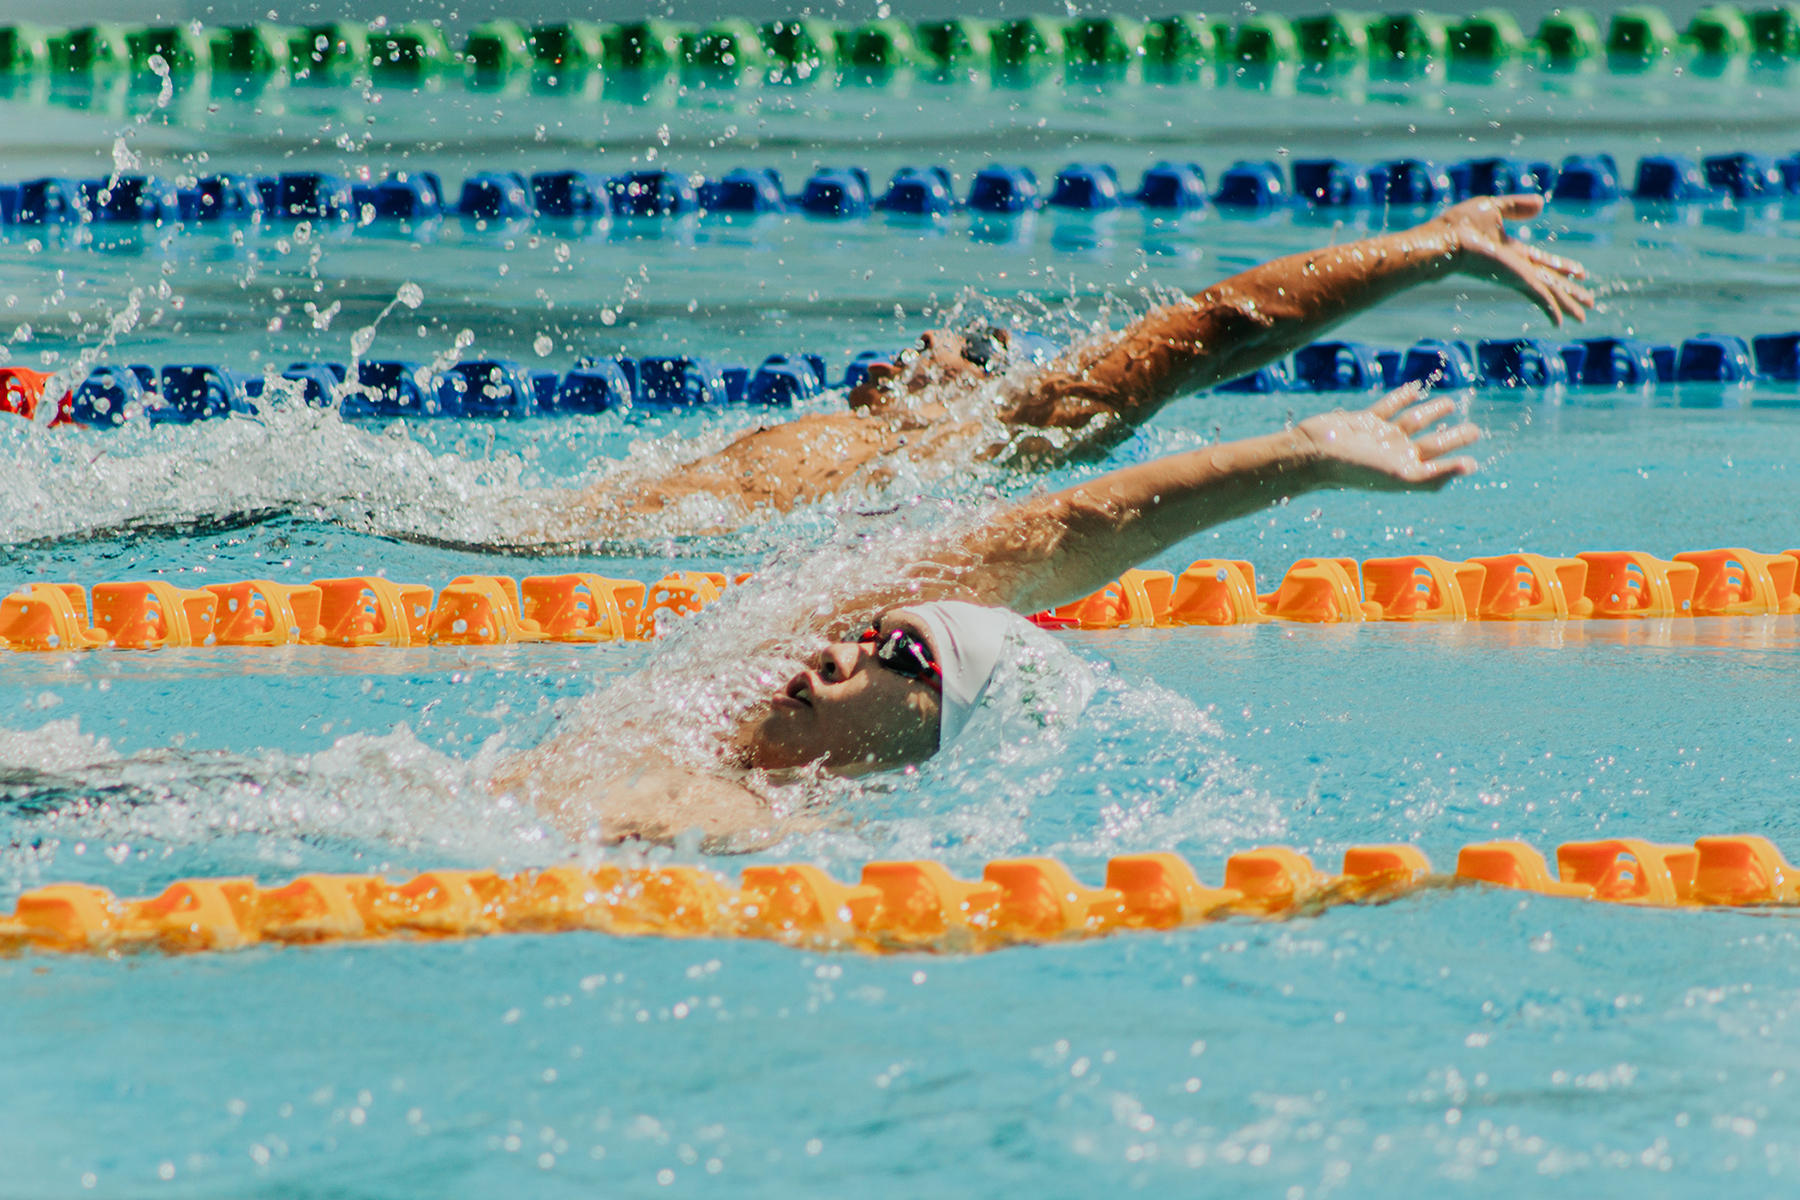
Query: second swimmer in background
x: 930, y: 413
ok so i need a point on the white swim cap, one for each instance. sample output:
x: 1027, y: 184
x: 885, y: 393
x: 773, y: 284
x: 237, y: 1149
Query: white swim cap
x: 966, y: 640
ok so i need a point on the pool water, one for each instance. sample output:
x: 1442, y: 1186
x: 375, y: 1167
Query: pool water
x: 1465, y: 1040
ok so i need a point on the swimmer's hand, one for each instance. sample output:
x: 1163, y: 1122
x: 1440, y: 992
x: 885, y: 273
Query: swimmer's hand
x: 1389, y: 447
x: 1476, y: 230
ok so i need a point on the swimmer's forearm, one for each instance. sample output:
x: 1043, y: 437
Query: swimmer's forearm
x: 1073, y: 542
x: 1299, y: 297
x: 1055, y: 549
x: 1238, y: 326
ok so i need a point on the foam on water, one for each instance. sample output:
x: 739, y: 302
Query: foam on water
x: 376, y: 797
x: 287, y: 459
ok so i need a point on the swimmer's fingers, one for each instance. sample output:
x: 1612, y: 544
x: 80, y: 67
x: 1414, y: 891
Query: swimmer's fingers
x: 1490, y: 211
x: 1547, y: 279
x: 1434, y: 445
x: 1424, y: 416
x: 1434, y: 467
x: 1566, y: 267
x: 1367, y: 451
x: 1397, y: 400
x: 1551, y: 276
x: 1574, y: 297
x: 1521, y: 207
x: 1555, y: 274
x: 1439, y: 472
x: 1548, y: 290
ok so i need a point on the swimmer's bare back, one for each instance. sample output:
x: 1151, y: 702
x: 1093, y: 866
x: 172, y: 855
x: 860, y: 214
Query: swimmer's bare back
x: 1228, y: 330
x: 795, y: 462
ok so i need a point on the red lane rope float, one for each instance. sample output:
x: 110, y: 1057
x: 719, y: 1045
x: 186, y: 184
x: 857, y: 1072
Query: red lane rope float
x: 489, y: 610
x: 897, y: 906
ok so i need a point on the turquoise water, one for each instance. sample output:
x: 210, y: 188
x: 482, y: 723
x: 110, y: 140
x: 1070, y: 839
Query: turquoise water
x: 1468, y: 1041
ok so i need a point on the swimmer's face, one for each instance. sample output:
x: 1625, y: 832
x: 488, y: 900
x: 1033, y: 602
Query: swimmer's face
x: 940, y: 357
x: 850, y: 710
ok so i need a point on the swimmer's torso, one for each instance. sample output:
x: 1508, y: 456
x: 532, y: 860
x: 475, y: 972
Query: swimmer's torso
x: 779, y: 467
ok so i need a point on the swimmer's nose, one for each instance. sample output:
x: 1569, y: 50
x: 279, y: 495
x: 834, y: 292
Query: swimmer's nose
x: 837, y: 663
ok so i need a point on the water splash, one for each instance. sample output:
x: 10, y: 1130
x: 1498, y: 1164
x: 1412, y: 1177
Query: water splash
x: 411, y: 295
x: 364, y: 804
x: 393, y: 483
x: 124, y: 160
x: 289, y: 458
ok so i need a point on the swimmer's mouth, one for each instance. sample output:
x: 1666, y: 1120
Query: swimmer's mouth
x: 798, y: 694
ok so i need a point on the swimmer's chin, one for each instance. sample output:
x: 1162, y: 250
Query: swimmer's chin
x: 765, y: 744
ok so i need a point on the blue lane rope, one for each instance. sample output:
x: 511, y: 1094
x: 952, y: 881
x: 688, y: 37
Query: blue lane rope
x: 849, y: 193
x: 505, y: 389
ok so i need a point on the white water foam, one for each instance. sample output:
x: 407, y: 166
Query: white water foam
x: 66, y: 794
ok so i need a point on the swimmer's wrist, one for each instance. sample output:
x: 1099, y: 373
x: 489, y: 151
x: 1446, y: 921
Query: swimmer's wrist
x: 1299, y: 463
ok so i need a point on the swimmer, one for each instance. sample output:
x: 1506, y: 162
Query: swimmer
x: 908, y: 664
x: 918, y: 415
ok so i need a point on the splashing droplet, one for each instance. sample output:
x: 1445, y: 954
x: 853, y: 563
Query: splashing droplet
x: 123, y: 158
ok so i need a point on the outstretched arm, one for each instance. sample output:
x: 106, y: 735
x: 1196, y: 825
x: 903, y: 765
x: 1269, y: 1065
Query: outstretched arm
x: 1264, y: 313
x: 1057, y: 548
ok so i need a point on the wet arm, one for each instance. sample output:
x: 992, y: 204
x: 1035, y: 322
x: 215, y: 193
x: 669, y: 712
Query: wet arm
x: 1269, y: 311
x: 1057, y: 548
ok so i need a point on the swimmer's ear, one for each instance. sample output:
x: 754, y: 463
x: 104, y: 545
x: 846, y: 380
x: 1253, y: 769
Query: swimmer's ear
x: 873, y: 392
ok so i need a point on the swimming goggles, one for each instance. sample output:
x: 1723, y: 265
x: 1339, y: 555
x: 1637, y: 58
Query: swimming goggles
x: 904, y: 653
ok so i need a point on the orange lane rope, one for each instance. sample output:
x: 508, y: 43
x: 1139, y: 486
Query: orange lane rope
x: 370, y: 610
x: 897, y: 906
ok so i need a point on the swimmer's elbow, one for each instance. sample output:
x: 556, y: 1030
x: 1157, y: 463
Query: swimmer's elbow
x: 1238, y: 321
x: 1084, y: 514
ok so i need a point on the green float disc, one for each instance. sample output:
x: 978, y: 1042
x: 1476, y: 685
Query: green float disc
x: 957, y: 42
x: 1028, y: 41
x: 1104, y: 41
x: 1570, y: 35
x: 1180, y: 41
x: 1334, y: 37
x: 1640, y: 32
x: 1264, y: 41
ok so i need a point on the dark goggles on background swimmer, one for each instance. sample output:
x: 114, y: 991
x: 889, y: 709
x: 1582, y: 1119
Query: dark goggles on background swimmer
x: 905, y: 653
x: 985, y: 347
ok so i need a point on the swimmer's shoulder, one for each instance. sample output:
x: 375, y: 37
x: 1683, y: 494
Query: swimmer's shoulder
x: 661, y: 803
